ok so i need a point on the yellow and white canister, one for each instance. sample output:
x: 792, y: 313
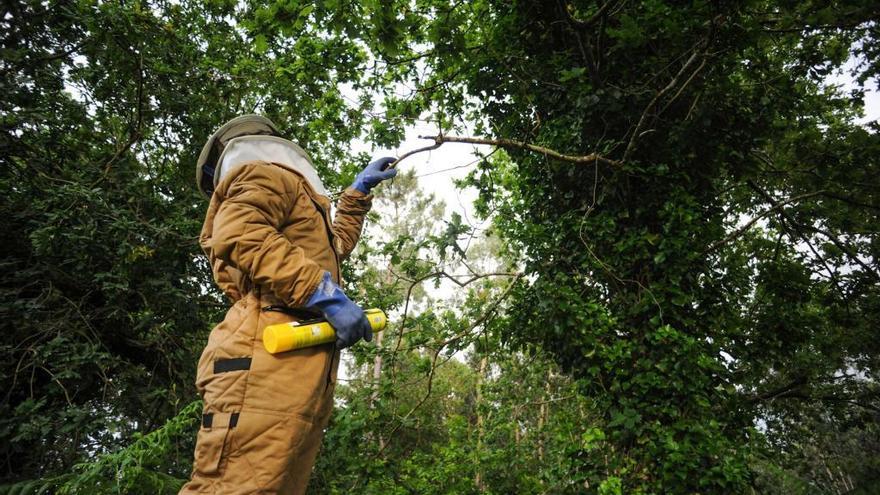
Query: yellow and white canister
x: 283, y: 337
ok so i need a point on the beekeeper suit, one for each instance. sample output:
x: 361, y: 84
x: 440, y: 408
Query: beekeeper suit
x: 275, y: 252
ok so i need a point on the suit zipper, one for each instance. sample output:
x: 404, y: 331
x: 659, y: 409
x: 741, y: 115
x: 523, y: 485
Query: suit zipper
x: 324, y: 218
x: 329, y: 235
x: 330, y: 368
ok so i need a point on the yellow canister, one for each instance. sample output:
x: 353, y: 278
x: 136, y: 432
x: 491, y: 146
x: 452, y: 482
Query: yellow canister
x: 296, y: 335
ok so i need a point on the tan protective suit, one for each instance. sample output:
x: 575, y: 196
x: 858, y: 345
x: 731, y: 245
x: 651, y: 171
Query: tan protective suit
x: 269, y: 239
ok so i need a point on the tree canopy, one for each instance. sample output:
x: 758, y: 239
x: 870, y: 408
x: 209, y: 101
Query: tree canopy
x: 679, y: 291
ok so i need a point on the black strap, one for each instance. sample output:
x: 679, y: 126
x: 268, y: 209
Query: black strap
x: 299, y: 313
x: 234, y: 364
x: 208, y: 420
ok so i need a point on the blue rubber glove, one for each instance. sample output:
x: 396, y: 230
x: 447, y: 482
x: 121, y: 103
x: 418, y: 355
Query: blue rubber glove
x: 346, y: 317
x: 373, y: 174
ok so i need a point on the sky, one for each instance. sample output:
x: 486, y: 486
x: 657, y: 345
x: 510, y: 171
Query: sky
x: 437, y: 170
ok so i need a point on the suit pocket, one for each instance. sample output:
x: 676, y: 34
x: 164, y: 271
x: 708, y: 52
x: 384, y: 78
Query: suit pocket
x: 210, y: 444
x: 268, y: 445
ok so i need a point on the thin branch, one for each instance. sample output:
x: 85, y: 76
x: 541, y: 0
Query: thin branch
x: 851, y: 201
x: 139, y: 119
x: 413, y: 152
x: 856, y: 26
x: 511, y: 144
x: 644, y: 118
x: 854, y: 400
x: 475, y: 277
x: 18, y: 64
x: 834, y: 239
x: 593, y: 18
x: 683, y: 86
x: 785, y: 220
x: 480, y: 321
x: 61, y: 385
x: 415, y: 282
x: 738, y: 232
x: 843, y: 247
x: 468, y: 164
x: 786, y: 389
x: 547, y: 401
x: 403, y: 320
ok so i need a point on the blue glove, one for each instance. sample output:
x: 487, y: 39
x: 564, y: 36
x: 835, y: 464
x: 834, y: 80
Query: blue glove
x: 373, y: 174
x: 346, y: 317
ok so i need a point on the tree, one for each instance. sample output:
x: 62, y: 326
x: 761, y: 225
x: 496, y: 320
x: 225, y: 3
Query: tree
x: 105, y: 298
x: 707, y: 262
x: 688, y: 210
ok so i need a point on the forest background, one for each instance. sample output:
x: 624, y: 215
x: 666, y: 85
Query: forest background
x: 673, y: 284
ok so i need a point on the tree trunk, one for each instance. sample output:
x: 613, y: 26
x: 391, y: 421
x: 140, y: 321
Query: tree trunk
x: 478, y: 478
x: 377, y: 374
x: 542, y: 416
x: 377, y: 365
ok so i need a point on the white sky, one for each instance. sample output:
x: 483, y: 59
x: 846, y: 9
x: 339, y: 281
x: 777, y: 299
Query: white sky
x: 432, y: 167
x: 844, y: 79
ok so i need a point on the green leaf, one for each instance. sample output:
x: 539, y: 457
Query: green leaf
x: 260, y: 44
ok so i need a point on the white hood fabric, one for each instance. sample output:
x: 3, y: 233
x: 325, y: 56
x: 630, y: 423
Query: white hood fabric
x: 269, y: 149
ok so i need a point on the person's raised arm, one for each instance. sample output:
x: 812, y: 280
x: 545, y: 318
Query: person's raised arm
x: 356, y: 202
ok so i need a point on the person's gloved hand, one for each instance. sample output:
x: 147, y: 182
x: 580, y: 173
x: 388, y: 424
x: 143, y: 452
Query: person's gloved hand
x: 346, y: 317
x: 373, y: 174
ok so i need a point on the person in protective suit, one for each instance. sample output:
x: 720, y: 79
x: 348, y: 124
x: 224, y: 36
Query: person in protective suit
x: 275, y: 253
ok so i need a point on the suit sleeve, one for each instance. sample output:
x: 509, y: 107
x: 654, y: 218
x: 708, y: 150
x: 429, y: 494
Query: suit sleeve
x: 351, y: 211
x: 247, y: 234
x: 225, y: 281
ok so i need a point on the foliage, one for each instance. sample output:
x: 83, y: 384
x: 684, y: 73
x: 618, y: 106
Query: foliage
x: 702, y: 340
x: 105, y: 300
x: 149, y: 465
x: 697, y: 313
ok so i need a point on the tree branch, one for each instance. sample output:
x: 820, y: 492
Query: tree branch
x: 792, y: 229
x: 630, y: 148
x: 683, y: 86
x: 855, y: 400
x: 136, y: 132
x: 434, y: 274
x: 738, y: 232
x: 18, y: 64
x: 413, y: 152
x: 480, y: 321
x: 511, y: 144
x: 593, y: 18
x: 781, y: 391
x: 843, y: 247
